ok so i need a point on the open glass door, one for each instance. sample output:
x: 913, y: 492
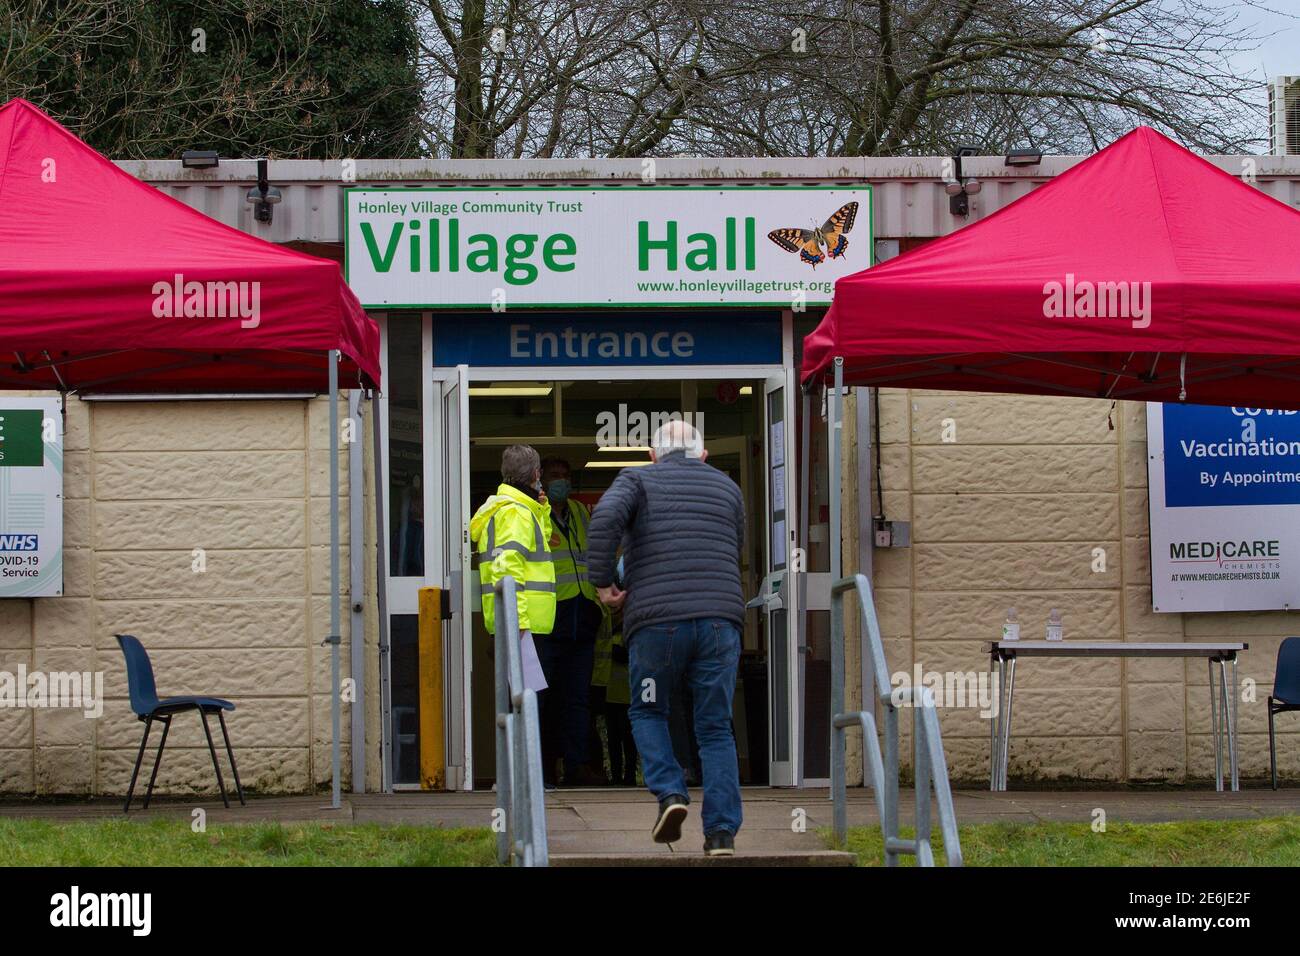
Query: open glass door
x: 406, y: 409
x: 814, y: 586
x: 453, y: 496
x: 779, y: 596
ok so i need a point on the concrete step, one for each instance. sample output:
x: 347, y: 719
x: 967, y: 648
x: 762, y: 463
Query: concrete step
x: 794, y: 858
x: 636, y: 842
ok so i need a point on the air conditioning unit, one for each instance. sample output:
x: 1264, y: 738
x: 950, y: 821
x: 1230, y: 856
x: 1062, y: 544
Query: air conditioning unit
x: 1284, y: 116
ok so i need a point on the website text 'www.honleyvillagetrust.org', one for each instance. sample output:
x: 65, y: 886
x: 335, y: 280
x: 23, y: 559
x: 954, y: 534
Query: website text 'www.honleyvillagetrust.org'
x: 735, y: 285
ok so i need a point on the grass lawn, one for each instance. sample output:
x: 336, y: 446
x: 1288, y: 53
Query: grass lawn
x: 172, y: 843
x: 1269, y: 842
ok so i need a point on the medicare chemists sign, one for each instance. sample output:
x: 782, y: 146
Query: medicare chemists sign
x: 31, y: 498
x: 1225, y: 508
x: 634, y: 246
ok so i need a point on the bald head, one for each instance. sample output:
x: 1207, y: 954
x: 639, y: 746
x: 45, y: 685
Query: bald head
x: 677, y: 435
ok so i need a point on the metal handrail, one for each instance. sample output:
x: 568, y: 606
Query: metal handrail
x: 930, y: 766
x: 520, y: 789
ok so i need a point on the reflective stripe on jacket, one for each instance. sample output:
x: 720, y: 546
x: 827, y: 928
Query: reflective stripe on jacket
x: 569, y: 551
x: 511, y: 532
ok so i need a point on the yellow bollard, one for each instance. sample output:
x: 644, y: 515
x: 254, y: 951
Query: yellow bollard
x: 433, y: 756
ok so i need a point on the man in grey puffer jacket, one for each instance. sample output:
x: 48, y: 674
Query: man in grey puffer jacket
x: 684, y: 523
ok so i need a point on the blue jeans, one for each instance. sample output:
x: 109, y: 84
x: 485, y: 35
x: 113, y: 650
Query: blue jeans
x: 703, y: 654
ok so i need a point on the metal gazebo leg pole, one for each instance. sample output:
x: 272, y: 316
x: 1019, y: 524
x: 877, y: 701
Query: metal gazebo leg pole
x: 356, y: 589
x: 334, y: 638
x: 381, y: 595
x: 839, y: 740
x: 833, y: 412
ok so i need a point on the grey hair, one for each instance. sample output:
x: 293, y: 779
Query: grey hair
x: 677, y: 435
x: 519, y: 463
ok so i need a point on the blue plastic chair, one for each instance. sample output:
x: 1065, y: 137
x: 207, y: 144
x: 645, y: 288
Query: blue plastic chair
x: 148, y: 708
x: 1286, y: 693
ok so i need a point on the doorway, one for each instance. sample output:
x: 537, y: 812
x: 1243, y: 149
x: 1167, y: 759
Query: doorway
x: 425, y: 417
x: 742, y: 419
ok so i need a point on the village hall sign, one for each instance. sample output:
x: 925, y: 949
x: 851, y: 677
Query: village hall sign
x: 597, y: 247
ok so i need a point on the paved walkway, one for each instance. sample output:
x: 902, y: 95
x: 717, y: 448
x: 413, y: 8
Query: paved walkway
x: 605, y: 825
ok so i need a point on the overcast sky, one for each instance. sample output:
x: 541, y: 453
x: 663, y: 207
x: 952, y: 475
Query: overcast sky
x: 1280, y: 53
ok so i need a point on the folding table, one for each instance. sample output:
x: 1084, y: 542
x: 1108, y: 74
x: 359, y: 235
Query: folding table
x: 1223, y: 705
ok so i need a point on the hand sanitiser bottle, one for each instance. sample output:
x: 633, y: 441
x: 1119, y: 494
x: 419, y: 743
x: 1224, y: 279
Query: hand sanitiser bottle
x: 1054, y: 631
x: 1011, y: 627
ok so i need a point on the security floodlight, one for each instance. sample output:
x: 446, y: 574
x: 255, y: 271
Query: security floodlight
x: 1024, y: 156
x: 263, y: 196
x: 269, y: 195
x: 200, y: 159
x: 960, y: 188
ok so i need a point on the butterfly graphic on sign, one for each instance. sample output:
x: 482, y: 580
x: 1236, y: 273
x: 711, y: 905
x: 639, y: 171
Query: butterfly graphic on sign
x: 814, y: 245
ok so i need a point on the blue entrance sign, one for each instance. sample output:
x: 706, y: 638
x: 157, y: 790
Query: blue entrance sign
x: 681, y: 338
x: 1230, y: 456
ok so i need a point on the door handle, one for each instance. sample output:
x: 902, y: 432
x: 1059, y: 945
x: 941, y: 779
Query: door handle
x: 770, y: 598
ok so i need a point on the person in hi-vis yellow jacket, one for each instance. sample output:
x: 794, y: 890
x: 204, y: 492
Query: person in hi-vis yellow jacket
x: 511, y: 532
x: 611, y: 673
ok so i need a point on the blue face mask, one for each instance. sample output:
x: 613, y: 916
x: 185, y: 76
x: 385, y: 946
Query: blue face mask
x: 558, y: 489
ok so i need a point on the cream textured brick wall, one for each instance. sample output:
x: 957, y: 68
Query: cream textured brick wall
x: 146, y: 484
x: 1009, y: 514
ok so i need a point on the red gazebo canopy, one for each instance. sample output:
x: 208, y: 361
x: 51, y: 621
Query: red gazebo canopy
x: 108, y: 285
x: 1144, y: 273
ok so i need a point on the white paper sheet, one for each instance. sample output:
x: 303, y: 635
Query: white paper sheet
x: 534, y: 680
x: 778, y: 444
x: 778, y: 488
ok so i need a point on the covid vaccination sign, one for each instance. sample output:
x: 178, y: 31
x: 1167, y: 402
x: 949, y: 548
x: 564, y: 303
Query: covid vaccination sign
x: 634, y: 246
x: 1225, y: 508
x: 31, y: 497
